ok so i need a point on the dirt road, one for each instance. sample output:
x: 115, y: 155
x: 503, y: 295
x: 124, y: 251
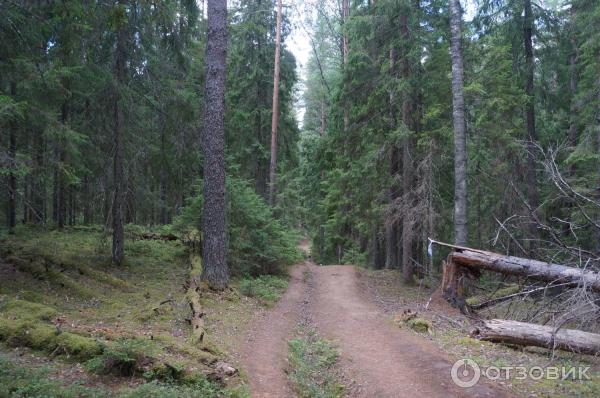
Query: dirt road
x: 380, y: 359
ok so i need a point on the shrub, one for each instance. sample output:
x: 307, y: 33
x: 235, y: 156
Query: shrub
x: 267, y: 288
x: 258, y: 242
x: 124, y: 357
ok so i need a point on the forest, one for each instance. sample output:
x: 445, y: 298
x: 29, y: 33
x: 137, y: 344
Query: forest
x: 192, y: 206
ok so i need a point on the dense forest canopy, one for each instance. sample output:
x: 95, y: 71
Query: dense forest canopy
x: 102, y: 109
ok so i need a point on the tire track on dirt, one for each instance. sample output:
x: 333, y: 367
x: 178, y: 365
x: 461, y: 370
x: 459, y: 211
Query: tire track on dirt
x: 265, y: 349
x: 382, y: 360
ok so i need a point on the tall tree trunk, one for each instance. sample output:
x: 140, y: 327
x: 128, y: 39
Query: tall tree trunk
x: 573, y: 111
x: 275, y: 116
x: 61, y: 199
x: 531, y: 179
x: 38, y: 190
x: 214, y: 244
x: 458, y: 116
x: 407, y: 162
x: 345, y: 52
x: 163, y: 175
x: 391, y: 227
x: 118, y: 243
x: 12, y: 176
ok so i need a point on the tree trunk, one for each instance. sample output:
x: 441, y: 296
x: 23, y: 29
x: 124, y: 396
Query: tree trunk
x: 214, y: 244
x: 345, y: 53
x: 275, y: 115
x: 38, y: 189
x: 194, y: 295
x: 391, y: 227
x: 509, y: 265
x: 118, y: 244
x: 12, y: 176
x: 458, y: 116
x: 407, y: 163
x: 163, y: 176
x: 61, y: 197
x: 531, y: 179
x: 513, y: 332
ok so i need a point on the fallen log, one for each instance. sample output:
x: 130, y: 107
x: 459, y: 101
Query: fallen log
x: 464, y: 262
x: 517, y: 266
x: 193, y: 294
x: 529, y: 334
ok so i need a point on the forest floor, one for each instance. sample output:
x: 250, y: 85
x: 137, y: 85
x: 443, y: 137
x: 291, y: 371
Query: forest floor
x: 72, y: 325
x: 357, y: 311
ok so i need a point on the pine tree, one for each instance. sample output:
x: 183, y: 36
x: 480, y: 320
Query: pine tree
x: 214, y: 242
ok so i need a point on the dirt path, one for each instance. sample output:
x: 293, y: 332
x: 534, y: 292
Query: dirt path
x: 380, y: 359
x: 264, y: 355
x: 383, y: 360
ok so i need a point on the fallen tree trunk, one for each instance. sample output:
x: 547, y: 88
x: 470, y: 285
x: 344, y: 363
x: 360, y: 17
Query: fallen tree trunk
x: 517, y: 266
x: 528, y: 334
x: 464, y: 262
x: 193, y: 295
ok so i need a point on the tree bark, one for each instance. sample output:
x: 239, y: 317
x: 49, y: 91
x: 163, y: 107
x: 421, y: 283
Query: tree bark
x: 61, y: 200
x: 531, y: 179
x: 275, y: 114
x: 214, y: 244
x: 12, y: 176
x: 118, y: 243
x: 407, y: 163
x: 509, y: 265
x: 194, y: 294
x: 345, y: 53
x: 458, y: 116
x: 391, y: 227
x: 513, y: 332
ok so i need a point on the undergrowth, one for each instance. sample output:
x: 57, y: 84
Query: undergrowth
x: 312, y: 367
x: 267, y: 288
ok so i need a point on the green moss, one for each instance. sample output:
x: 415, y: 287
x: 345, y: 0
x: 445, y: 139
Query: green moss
x: 47, y: 338
x: 419, y: 325
x: 25, y: 323
x: 26, y: 310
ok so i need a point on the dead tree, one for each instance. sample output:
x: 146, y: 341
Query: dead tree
x: 521, y: 333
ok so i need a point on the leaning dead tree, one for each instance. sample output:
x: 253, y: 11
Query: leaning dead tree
x: 463, y: 262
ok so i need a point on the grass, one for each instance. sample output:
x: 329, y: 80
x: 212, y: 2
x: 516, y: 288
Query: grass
x: 268, y: 289
x: 36, y: 382
x: 312, y: 367
x: 61, y: 297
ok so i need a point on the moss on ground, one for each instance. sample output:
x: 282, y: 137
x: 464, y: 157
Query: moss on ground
x: 61, y: 296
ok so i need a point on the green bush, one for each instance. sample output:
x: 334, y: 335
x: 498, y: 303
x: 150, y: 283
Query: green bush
x: 258, y: 243
x: 267, y: 288
x: 124, y: 357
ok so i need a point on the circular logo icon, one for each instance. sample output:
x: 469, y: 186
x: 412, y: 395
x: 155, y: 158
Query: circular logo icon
x: 465, y: 373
